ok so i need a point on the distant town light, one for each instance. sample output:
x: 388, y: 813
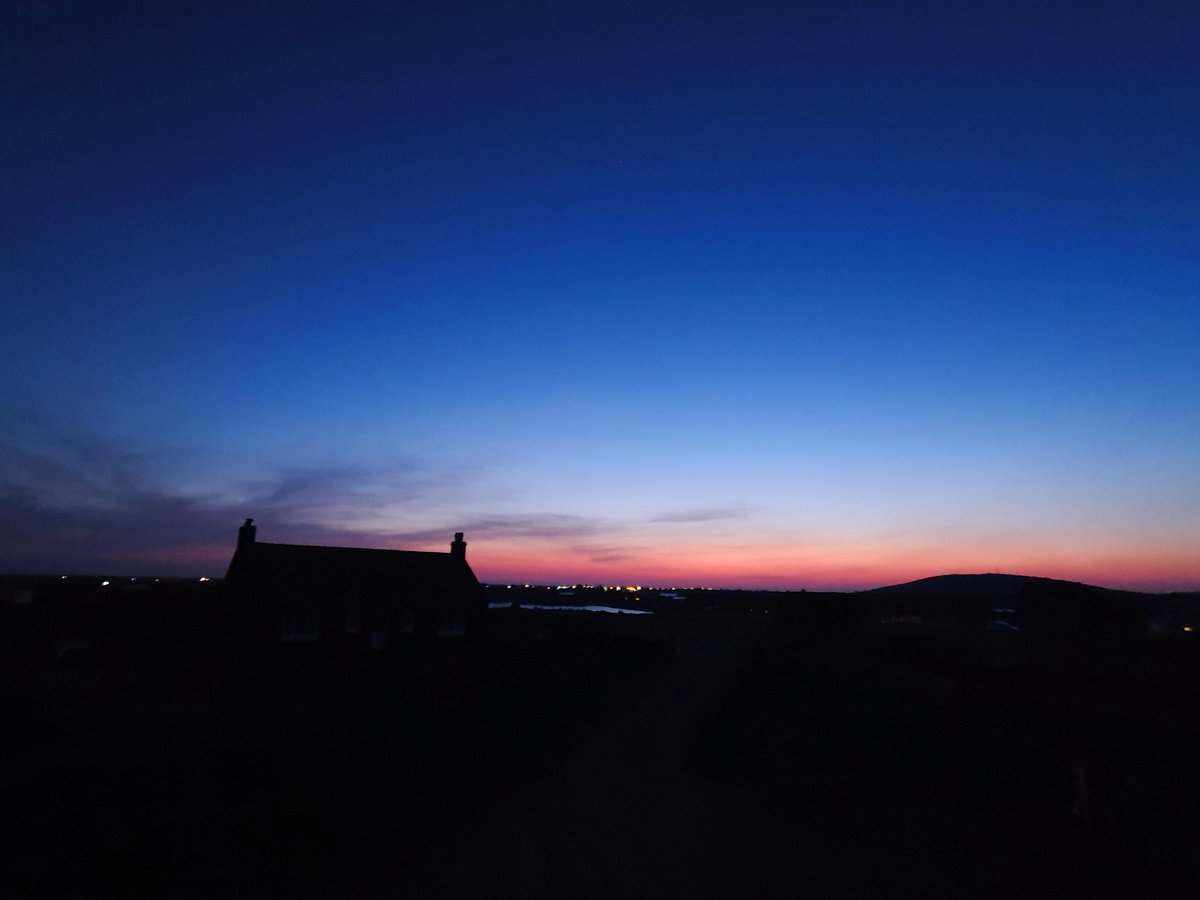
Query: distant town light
x: 104, y: 584
x: 205, y: 578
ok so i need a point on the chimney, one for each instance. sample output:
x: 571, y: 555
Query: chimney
x: 458, y: 548
x: 246, y: 534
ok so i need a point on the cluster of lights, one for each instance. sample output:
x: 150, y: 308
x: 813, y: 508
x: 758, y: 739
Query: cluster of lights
x: 633, y: 588
x: 107, y: 582
x: 601, y: 587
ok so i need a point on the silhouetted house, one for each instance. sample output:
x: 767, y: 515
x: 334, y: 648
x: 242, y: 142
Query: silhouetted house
x: 352, y: 596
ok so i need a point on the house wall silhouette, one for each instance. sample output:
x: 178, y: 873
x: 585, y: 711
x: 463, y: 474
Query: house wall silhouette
x: 298, y: 593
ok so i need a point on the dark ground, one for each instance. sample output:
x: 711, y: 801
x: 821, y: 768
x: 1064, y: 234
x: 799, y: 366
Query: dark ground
x: 577, y: 754
x: 843, y: 768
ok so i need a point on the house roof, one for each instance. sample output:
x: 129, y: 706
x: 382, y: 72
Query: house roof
x: 304, y: 570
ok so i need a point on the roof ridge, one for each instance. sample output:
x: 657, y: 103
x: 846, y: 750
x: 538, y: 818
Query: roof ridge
x: 354, y: 549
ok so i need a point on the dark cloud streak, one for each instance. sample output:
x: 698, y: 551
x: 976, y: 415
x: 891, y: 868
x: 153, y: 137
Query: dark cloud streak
x: 716, y: 514
x: 77, y: 504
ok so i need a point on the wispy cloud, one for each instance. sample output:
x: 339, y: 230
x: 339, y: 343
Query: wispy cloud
x: 122, y: 532
x: 538, y: 525
x: 608, y: 556
x: 78, y: 503
x: 711, y: 514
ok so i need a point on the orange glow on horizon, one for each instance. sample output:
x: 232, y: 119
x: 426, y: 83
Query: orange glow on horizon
x: 844, y: 565
x: 844, y: 568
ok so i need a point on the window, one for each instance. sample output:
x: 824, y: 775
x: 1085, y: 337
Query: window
x: 298, y: 624
x: 452, y: 623
x: 379, y: 636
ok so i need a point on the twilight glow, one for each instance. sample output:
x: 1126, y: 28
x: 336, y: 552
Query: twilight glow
x: 814, y: 295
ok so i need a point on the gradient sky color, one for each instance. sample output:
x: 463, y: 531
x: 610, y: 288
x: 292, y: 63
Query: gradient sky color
x: 760, y: 294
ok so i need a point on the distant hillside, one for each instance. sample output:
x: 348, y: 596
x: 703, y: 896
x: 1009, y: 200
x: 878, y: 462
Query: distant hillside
x: 995, y: 586
x: 1023, y: 603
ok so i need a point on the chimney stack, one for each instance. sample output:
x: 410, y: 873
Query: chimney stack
x: 246, y: 533
x: 458, y: 548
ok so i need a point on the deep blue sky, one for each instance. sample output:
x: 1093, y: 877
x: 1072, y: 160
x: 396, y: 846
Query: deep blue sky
x: 808, y: 294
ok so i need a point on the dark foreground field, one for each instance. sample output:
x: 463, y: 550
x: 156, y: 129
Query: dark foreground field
x: 848, y: 764
x: 578, y: 754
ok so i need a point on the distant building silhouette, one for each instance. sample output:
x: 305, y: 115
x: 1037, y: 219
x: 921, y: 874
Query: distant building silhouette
x: 352, y: 596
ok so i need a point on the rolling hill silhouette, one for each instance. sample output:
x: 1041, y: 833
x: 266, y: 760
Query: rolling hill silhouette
x: 997, y: 586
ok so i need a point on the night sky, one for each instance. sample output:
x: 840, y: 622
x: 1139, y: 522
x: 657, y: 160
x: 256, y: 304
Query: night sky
x: 762, y: 294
